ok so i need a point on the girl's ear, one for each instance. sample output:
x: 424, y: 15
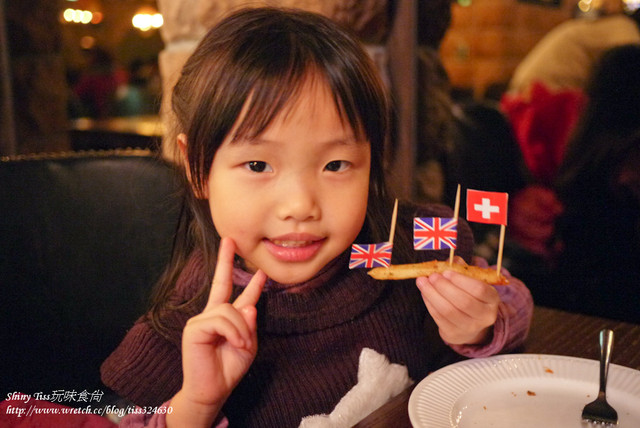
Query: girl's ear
x: 182, y: 145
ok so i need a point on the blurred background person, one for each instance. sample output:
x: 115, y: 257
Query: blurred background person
x: 96, y: 86
x: 546, y: 92
x: 141, y: 93
x: 563, y: 59
x: 545, y: 101
x: 597, y: 268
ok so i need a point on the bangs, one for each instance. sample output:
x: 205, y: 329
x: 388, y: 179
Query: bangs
x: 271, y: 98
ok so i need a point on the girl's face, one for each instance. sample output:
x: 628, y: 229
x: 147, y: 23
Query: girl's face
x: 294, y: 197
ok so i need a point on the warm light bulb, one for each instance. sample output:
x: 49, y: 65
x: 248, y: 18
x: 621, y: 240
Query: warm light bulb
x: 86, y: 16
x: 141, y: 21
x: 68, y: 15
x: 77, y: 16
x: 157, y: 20
x: 146, y: 21
x: 584, y: 5
x: 80, y: 16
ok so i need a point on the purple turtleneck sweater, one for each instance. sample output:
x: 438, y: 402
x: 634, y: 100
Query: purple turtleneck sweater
x: 310, y: 341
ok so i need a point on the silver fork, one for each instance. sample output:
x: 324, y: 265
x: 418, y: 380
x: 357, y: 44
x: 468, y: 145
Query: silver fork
x: 599, y: 411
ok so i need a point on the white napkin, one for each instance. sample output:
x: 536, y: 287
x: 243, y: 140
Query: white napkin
x: 378, y: 381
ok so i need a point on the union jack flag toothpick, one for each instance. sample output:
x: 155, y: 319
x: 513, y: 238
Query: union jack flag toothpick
x: 374, y: 255
x: 370, y: 255
x: 434, y: 233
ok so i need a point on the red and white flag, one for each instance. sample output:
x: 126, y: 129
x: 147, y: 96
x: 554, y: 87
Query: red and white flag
x: 487, y: 207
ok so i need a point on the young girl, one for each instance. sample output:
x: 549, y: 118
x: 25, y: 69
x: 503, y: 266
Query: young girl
x: 283, y: 121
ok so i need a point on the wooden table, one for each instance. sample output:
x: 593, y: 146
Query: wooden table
x: 552, y: 332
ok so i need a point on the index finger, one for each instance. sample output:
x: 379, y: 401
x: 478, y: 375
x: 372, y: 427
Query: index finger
x: 221, y: 285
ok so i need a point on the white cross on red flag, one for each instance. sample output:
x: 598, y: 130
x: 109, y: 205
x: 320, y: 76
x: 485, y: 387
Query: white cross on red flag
x: 487, y: 207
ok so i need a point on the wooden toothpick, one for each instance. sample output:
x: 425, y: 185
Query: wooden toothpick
x: 392, y: 232
x: 500, y: 248
x: 456, y: 211
x: 393, y: 222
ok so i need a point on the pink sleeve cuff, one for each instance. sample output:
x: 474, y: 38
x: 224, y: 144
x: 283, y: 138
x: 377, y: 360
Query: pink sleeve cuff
x: 159, y: 419
x: 139, y: 418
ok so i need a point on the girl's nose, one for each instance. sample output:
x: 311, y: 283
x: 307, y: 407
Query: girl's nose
x: 298, y: 199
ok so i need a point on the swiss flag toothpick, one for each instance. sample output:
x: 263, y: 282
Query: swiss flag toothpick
x: 489, y: 207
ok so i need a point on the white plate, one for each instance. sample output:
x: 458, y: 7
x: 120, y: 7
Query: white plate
x: 524, y: 390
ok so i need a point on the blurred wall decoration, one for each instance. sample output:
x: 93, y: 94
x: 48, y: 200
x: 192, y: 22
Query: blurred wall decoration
x: 36, y: 70
x: 185, y: 22
x: 44, y: 49
x: 48, y: 45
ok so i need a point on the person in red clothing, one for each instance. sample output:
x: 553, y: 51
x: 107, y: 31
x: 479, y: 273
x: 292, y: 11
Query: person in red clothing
x: 282, y: 120
x: 96, y: 88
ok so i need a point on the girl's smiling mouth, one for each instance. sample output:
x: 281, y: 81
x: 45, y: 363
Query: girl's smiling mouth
x: 294, y: 247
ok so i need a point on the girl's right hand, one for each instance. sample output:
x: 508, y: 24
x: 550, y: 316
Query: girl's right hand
x: 218, y: 346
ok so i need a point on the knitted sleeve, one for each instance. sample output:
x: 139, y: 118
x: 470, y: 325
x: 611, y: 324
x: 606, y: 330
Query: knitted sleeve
x: 145, y: 368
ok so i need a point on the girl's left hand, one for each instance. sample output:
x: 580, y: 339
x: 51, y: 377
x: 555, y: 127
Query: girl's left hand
x: 464, y: 308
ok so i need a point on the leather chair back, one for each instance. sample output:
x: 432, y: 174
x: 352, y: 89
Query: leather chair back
x: 83, y: 239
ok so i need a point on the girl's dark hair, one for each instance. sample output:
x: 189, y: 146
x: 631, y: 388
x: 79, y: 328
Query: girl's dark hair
x: 261, y: 57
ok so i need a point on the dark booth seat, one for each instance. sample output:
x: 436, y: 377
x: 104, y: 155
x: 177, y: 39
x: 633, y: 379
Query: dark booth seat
x: 84, y: 236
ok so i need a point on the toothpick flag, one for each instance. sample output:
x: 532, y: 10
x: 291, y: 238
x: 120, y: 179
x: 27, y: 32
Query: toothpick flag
x: 374, y: 255
x: 487, y: 207
x: 370, y: 255
x: 434, y: 233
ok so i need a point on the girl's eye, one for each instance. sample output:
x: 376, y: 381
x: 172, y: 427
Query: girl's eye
x: 337, y: 166
x: 258, y: 166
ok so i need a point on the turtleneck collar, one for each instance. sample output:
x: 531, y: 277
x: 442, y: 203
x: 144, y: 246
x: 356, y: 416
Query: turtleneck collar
x: 334, y: 296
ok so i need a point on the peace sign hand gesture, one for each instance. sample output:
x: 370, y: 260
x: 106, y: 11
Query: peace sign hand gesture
x: 218, y: 345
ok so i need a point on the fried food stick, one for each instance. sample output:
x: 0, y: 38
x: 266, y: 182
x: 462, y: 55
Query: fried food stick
x: 490, y: 276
